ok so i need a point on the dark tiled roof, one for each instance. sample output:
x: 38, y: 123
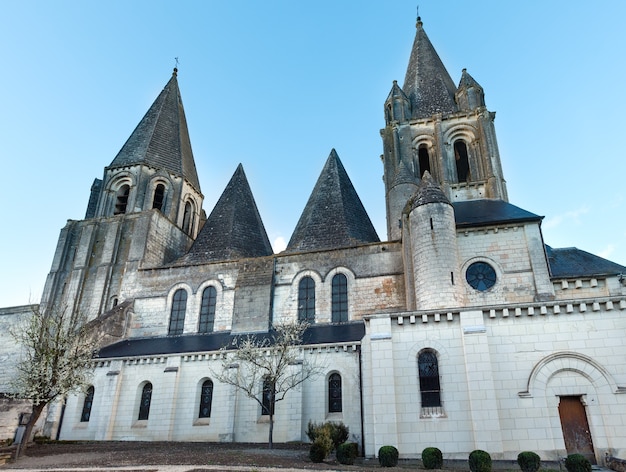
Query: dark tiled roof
x: 316, y: 334
x: 427, y: 82
x: 572, y: 262
x: 234, y: 228
x: 488, y: 212
x: 428, y: 191
x: 334, y: 216
x: 161, y: 139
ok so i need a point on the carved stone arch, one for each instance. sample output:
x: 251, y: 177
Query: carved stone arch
x: 341, y: 303
x: 463, y: 131
x: 343, y: 270
x: 151, y: 196
x: 564, y: 361
x: 314, y: 274
x: 440, y: 349
x: 190, y: 214
x: 170, y: 298
x: 114, y: 187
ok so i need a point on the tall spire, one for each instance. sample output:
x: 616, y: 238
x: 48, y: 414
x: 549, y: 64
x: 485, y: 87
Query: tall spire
x: 334, y: 216
x: 234, y: 228
x: 161, y: 139
x: 427, y: 82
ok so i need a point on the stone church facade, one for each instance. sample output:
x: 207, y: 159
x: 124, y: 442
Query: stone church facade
x: 462, y: 330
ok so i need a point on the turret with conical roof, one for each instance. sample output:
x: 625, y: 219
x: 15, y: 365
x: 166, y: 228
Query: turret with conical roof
x: 155, y: 168
x: 431, y: 125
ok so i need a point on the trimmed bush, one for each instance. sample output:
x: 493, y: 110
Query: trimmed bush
x: 347, y: 452
x: 432, y: 458
x: 528, y: 461
x: 577, y: 463
x: 388, y: 456
x: 479, y: 461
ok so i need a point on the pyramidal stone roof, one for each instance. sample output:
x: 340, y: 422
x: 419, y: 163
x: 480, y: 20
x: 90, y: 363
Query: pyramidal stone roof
x: 234, y: 228
x: 334, y: 216
x: 428, y: 191
x: 427, y: 82
x: 161, y: 139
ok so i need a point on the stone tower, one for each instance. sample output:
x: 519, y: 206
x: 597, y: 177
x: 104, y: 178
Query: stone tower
x: 431, y: 125
x: 146, y: 211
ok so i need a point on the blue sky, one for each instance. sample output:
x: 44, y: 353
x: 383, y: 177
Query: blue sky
x: 275, y: 85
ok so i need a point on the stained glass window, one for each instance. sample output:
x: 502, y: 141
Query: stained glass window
x: 481, y: 276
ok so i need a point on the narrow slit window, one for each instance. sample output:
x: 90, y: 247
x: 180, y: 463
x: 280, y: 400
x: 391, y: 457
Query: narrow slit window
x: 159, y: 197
x: 339, y: 299
x: 146, y: 398
x: 87, y: 404
x: 121, y: 202
x: 306, y: 300
x: 188, y: 218
x: 268, y: 398
x: 423, y: 160
x: 462, y: 161
x: 177, y: 316
x: 335, y: 404
x: 206, y: 399
x: 430, y: 389
x: 207, y: 310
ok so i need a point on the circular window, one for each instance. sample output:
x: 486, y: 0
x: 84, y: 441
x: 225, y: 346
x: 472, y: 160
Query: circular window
x: 481, y: 276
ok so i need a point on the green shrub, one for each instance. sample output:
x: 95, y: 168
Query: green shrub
x: 432, y: 458
x: 317, y: 453
x: 338, y: 432
x: 479, y: 461
x: 528, y: 461
x: 577, y: 463
x: 347, y: 452
x: 388, y: 456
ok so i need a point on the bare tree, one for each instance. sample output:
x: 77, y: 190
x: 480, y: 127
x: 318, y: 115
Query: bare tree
x: 268, y: 367
x: 56, y: 358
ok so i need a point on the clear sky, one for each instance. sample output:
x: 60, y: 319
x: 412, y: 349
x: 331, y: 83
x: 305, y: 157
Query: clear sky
x: 275, y: 85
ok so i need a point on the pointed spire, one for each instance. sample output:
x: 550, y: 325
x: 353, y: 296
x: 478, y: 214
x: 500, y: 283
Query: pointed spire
x: 470, y: 94
x: 428, y: 191
x: 427, y: 82
x: 161, y: 139
x: 234, y: 228
x: 403, y: 175
x: 334, y: 216
x: 397, y: 105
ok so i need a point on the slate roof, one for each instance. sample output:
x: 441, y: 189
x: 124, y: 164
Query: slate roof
x: 234, y: 228
x: 427, y: 82
x: 138, y: 347
x: 573, y: 262
x: 161, y: 139
x: 334, y: 216
x: 488, y: 212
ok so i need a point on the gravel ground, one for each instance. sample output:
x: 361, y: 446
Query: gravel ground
x: 148, y: 456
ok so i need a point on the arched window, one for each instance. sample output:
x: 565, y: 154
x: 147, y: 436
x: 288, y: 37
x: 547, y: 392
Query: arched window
x: 177, y: 317
x: 340, y: 299
x: 428, y: 368
x: 462, y: 161
x: 188, y: 218
x: 423, y: 160
x: 334, y: 394
x: 86, y: 413
x: 121, y: 201
x: 306, y: 300
x: 146, y: 398
x: 159, y: 197
x: 207, y: 310
x: 268, y: 398
x: 206, y: 398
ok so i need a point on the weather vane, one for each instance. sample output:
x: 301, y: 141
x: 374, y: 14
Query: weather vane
x: 176, y: 59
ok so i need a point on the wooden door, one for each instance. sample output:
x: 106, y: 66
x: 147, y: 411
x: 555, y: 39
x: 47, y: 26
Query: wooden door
x: 575, y: 427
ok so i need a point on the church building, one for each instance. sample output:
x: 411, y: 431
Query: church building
x: 462, y: 329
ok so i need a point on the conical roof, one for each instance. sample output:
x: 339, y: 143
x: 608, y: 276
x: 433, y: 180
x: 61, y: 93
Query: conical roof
x: 427, y: 82
x: 161, y: 139
x: 428, y: 191
x: 334, y: 216
x: 234, y: 228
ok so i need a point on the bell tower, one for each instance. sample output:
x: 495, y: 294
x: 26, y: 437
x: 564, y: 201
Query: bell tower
x: 431, y: 125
